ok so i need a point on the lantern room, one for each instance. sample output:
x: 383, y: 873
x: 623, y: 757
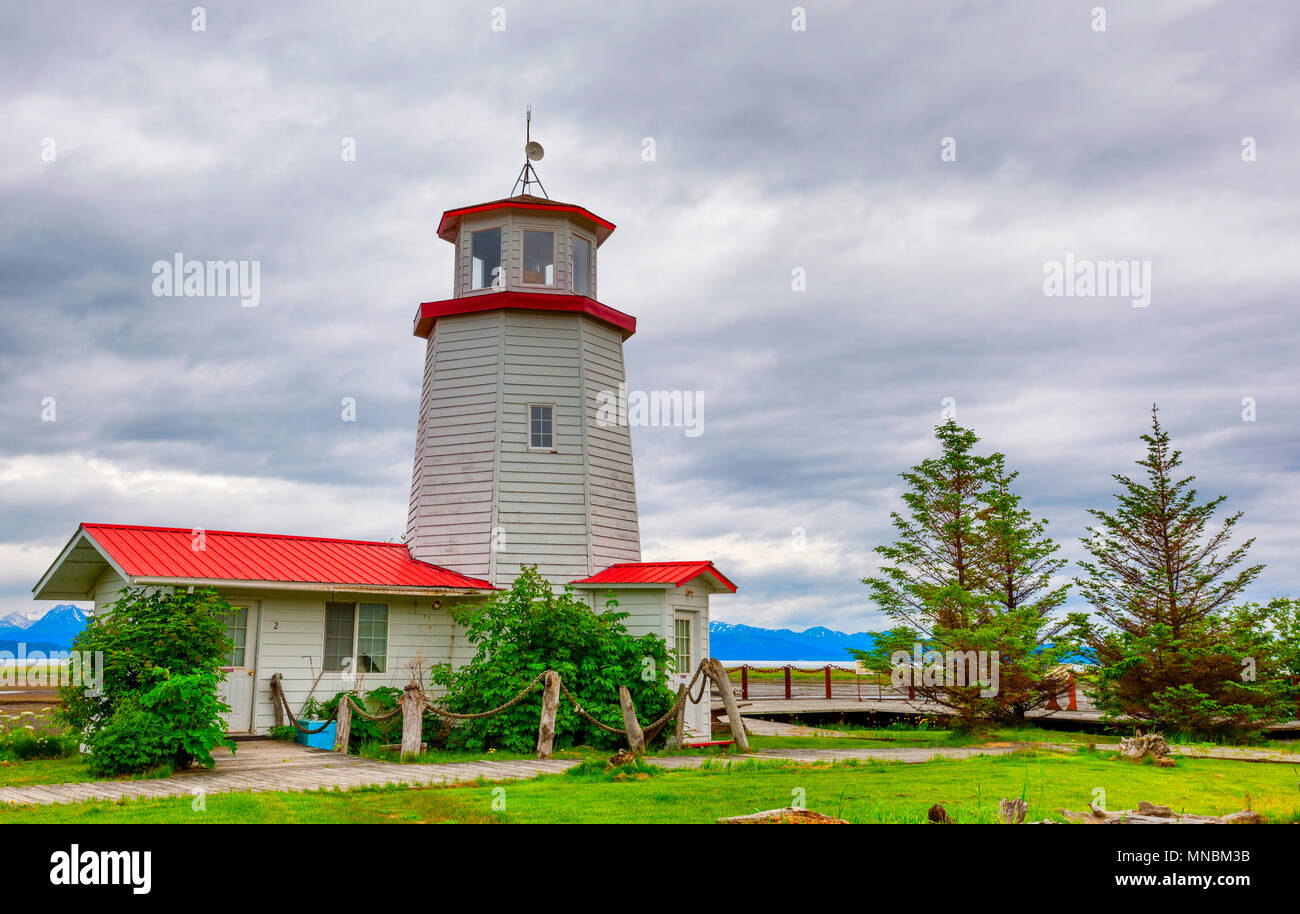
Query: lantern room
x: 525, y: 244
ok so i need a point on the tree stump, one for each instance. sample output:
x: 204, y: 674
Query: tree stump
x: 939, y: 816
x: 550, y: 705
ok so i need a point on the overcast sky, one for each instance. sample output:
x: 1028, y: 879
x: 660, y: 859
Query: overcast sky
x: 776, y: 149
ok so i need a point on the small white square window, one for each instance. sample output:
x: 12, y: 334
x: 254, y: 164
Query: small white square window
x: 541, y: 427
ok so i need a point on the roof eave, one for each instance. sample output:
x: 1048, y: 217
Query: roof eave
x: 330, y: 586
x: 39, y: 591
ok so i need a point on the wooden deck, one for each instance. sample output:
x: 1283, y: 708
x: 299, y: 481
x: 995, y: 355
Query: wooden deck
x: 767, y: 698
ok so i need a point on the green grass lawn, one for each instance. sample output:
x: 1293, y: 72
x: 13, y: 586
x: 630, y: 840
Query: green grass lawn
x: 866, y: 793
x: 60, y: 771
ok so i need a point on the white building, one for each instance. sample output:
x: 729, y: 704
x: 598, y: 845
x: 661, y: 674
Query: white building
x: 513, y: 465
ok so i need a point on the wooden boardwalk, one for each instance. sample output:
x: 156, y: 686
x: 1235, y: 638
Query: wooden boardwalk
x: 266, y: 765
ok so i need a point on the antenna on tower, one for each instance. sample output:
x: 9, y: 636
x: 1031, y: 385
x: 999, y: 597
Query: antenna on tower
x: 533, y: 152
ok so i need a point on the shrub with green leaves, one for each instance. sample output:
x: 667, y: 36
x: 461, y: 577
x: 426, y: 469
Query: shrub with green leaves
x: 531, y: 628
x: 158, y: 704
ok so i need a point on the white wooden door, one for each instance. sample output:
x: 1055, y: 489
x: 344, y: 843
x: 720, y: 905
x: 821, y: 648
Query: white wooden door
x: 687, y: 655
x: 237, y: 690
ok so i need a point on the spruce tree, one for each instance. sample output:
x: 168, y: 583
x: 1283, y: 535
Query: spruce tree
x: 1171, y: 650
x: 970, y: 571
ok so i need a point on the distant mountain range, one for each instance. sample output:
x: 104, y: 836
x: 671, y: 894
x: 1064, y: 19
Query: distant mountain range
x: 53, y: 631
x: 735, y: 643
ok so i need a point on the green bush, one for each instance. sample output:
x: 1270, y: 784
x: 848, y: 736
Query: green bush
x: 158, y: 704
x: 127, y: 741
x: 529, y: 629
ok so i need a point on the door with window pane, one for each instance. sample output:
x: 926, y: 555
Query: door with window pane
x: 686, y: 647
x: 237, y: 690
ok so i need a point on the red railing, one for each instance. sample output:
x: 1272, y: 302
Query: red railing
x: 788, y: 672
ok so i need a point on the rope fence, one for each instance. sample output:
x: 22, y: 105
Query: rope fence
x: 416, y: 702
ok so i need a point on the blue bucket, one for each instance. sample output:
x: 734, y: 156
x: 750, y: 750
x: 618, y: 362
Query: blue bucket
x: 322, y: 740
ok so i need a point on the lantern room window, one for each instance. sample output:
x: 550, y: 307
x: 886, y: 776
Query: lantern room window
x: 485, y: 248
x: 539, y: 258
x: 581, y: 265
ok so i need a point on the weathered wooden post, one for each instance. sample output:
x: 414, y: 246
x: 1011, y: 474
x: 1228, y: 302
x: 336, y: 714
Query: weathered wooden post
x: 679, y: 724
x: 550, y: 705
x: 744, y: 682
x: 635, y: 737
x: 714, y: 670
x: 412, y: 720
x: 787, y: 683
x: 343, y: 727
x: 277, y: 691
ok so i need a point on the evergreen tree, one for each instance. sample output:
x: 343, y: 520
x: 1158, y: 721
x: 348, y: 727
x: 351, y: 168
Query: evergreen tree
x: 970, y: 572
x: 1172, y: 651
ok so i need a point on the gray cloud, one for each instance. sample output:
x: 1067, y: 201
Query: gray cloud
x: 775, y: 150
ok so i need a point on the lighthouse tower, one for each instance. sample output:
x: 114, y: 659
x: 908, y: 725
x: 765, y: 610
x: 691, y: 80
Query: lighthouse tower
x: 517, y: 459
x: 514, y: 461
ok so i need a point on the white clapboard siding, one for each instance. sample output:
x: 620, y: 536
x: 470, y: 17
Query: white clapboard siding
x: 291, y: 642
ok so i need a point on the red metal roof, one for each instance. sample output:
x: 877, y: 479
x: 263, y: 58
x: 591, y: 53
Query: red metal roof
x: 677, y: 573
x: 522, y: 301
x: 451, y: 218
x: 168, y: 552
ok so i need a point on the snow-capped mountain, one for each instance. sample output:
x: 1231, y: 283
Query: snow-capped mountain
x: 734, y: 643
x: 53, y: 631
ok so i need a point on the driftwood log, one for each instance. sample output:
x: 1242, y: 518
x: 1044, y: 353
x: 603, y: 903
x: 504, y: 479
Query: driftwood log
x: 1012, y: 812
x: 786, y: 816
x: 1140, y: 746
x: 550, y: 705
x: 1151, y: 814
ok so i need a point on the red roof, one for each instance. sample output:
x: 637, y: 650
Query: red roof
x: 168, y: 552
x: 451, y: 218
x: 521, y: 301
x: 677, y: 573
